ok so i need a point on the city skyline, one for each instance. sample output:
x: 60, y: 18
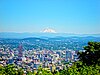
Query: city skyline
x: 64, y: 16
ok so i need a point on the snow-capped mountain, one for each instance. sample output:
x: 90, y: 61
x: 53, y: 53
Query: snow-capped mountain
x: 48, y: 30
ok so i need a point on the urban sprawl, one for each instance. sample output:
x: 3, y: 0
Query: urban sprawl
x: 30, y: 54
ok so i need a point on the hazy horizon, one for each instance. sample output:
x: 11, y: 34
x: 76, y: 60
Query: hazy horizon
x: 54, y: 33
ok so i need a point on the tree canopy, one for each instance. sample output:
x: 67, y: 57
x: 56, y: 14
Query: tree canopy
x: 91, y: 56
x: 10, y: 70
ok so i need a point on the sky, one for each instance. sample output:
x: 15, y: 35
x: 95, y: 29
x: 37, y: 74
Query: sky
x: 64, y: 16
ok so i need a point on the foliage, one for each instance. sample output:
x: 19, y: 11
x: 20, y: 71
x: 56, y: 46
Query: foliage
x: 42, y: 71
x: 92, y: 54
x: 10, y: 70
x: 89, y: 61
x: 79, y: 69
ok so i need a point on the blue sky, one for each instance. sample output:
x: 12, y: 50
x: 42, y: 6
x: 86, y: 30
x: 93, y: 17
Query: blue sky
x: 64, y: 16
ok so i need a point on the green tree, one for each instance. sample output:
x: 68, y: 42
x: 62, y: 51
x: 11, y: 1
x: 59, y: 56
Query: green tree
x: 89, y: 61
x: 91, y: 56
x: 42, y: 71
x: 10, y: 70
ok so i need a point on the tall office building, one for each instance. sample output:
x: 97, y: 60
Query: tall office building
x: 20, y: 54
x: 68, y: 55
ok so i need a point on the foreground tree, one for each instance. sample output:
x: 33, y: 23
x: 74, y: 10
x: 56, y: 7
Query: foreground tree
x: 89, y: 61
x: 10, y: 70
x: 91, y: 56
x: 42, y: 71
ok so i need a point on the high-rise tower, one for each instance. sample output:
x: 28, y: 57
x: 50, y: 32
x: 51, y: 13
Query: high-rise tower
x: 20, y: 54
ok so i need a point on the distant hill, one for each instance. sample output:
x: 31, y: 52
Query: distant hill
x: 55, y: 42
x: 43, y: 35
x: 34, y: 39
